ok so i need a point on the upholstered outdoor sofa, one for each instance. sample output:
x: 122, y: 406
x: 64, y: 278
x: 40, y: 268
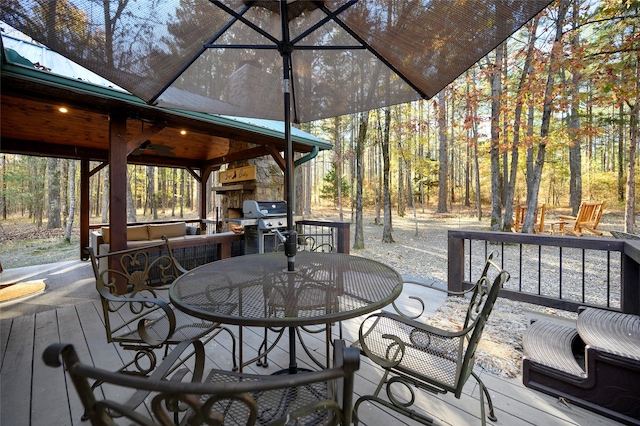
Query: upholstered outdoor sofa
x: 189, y: 247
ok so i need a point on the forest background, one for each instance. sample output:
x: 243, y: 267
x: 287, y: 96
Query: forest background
x: 549, y: 117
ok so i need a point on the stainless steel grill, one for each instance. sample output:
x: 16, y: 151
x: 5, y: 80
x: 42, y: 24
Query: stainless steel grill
x: 263, y: 223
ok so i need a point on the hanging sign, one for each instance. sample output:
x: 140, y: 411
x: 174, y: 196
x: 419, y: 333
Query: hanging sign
x: 237, y: 175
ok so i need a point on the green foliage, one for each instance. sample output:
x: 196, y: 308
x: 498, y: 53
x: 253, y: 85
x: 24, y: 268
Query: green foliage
x: 329, y: 191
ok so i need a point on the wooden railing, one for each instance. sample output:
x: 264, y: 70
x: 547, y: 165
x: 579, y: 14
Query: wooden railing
x: 322, y: 235
x: 554, y: 271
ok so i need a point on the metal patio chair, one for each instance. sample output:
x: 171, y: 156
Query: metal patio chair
x: 142, y: 319
x: 321, y: 397
x: 421, y: 356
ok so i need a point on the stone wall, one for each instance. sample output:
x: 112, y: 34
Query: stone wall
x: 269, y: 184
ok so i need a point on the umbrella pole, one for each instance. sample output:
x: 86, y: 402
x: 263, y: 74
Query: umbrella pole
x: 290, y: 247
x: 285, y: 49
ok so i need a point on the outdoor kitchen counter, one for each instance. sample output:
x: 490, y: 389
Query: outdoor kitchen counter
x: 257, y: 290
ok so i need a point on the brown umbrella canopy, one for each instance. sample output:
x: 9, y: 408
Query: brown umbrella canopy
x: 281, y: 59
x: 224, y: 57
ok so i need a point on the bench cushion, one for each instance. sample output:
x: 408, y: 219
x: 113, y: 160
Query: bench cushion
x: 156, y: 231
x: 134, y: 233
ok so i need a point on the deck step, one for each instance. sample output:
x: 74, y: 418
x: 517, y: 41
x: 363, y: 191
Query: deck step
x: 551, y: 344
x: 610, y: 331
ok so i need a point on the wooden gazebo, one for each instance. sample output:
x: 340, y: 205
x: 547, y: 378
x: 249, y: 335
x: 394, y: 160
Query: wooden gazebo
x: 106, y: 125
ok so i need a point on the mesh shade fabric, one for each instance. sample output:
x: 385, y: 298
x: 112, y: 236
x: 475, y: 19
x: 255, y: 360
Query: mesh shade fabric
x: 157, y: 50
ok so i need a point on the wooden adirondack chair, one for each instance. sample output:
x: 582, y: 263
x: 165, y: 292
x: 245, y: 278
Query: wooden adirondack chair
x: 521, y: 212
x: 587, y: 219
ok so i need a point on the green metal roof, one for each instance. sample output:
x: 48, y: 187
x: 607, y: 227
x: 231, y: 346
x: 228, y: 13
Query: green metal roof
x: 14, y: 63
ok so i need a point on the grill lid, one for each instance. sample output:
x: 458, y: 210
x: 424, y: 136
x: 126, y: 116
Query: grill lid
x: 257, y: 209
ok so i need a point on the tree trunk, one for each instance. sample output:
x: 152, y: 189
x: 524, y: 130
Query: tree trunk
x: 546, y: 119
x: 442, y: 153
x: 131, y: 207
x: 151, y: 191
x: 387, y: 228
x: 71, y: 196
x: 575, y: 149
x: 338, y: 162
x: 634, y: 124
x: 358, y: 243
x: 621, y: 182
x: 513, y: 172
x: 53, y: 210
x: 495, y: 79
x: 105, y: 197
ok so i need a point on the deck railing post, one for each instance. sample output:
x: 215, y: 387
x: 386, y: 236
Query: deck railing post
x: 344, y: 237
x: 630, y: 279
x: 455, y: 264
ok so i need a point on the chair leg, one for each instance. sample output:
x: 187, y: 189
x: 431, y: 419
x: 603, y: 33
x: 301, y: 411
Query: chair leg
x: 484, y: 392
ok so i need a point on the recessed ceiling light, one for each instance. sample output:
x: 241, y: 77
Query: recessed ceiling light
x: 183, y: 132
x: 63, y: 110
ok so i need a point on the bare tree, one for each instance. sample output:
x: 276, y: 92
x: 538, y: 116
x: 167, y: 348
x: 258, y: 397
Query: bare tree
x: 53, y: 210
x: 387, y: 227
x: 358, y: 243
x: 522, y: 87
x: 71, y: 196
x: 442, y: 153
x: 575, y: 149
x: 556, y: 51
x: 495, y: 79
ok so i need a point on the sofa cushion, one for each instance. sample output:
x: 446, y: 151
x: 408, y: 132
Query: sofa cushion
x: 169, y: 229
x: 134, y: 233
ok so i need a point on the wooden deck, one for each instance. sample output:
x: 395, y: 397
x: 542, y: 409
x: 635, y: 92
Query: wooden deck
x: 68, y: 311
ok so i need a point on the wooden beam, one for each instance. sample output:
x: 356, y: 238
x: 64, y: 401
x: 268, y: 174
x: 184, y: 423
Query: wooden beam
x: 238, y: 156
x: 279, y: 159
x: 147, y: 134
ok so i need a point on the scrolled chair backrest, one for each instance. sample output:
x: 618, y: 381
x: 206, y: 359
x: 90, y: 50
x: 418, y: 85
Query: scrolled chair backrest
x: 199, y: 401
x: 144, y: 269
x: 483, y: 298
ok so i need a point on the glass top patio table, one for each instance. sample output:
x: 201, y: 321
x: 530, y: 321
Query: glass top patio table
x: 257, y: 290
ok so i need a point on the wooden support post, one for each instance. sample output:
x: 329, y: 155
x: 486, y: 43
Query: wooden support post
x: 117, y: 188
x: 85, y: 210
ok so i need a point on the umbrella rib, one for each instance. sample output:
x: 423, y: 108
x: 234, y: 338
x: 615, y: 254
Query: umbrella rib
x: 242, y: 19
x: 324, y: 20
x: 242, y: 46
x: 374, y: 52
x: 196, y: 56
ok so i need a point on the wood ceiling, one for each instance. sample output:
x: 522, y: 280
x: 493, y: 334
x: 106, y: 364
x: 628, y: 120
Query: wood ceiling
x: 32, y: 124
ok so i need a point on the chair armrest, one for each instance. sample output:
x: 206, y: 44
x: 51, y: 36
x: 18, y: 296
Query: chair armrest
x: 169, y: 364
x: 560, y: 216
x: 395, y: 350
x: 422, y: 284
x: 147, y: 305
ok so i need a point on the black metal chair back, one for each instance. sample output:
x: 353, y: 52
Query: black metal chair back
x: 321, y: 397
x: 427, y: 357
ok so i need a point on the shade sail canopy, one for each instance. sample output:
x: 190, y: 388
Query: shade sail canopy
x: 224, y: 57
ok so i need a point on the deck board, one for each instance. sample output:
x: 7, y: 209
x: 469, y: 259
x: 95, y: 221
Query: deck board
x: 16, y: 373
x: 46, y: 401
x: 33, y: 394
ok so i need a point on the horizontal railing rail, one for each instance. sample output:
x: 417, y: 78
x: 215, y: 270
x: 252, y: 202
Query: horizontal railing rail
x: 559, y: 272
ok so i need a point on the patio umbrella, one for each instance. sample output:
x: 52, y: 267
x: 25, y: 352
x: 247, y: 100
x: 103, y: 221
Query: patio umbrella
x: 295, y: 61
